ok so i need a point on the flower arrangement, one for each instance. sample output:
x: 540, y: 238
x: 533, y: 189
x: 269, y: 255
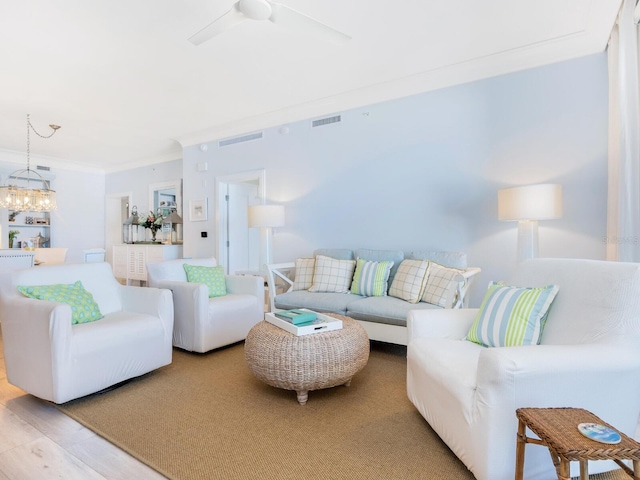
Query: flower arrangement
x: 153, y: 222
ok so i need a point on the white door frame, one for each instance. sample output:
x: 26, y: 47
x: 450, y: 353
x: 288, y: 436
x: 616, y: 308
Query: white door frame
x: 111, y: 221
x: 252, y: 176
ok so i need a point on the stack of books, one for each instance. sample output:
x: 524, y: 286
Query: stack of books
x: 301, y: 321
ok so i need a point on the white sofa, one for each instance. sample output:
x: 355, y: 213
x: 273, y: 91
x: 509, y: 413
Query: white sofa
x: 47, y: 356
x: 203, y: 323
x: 588, y: 358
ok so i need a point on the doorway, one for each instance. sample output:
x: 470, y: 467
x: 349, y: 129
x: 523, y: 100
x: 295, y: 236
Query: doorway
x: 238, y: 245
x: 118, y: 208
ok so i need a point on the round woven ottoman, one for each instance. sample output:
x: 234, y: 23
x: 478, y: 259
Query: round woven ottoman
x: 307, y: 362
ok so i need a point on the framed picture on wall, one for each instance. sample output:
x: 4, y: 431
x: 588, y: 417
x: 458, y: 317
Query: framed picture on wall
x: 198, y: 210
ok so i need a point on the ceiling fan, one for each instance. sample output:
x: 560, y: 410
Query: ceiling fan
x: 274, y: 12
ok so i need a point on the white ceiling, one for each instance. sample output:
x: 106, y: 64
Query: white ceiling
x: 129, y: 89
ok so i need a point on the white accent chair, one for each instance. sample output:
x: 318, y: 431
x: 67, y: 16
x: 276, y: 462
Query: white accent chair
x: 203, y: 323
x: 50, y: 358
x: 588, y: 358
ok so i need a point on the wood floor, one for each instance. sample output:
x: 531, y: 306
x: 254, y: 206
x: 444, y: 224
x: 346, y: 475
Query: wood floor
x: 39, y: 442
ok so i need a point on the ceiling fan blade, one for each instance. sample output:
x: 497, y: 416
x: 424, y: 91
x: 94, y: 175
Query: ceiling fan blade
x: 219, y: 25
x: 294, y: 20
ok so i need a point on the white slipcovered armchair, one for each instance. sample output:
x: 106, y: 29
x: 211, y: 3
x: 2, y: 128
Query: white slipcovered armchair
x: 589, y: 357
x: 203, y: 323
x: 47, y: 356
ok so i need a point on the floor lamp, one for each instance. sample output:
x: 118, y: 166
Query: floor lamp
x: 266, y: 217
x: 527, y: 205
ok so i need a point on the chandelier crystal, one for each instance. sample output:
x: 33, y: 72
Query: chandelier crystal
x: 38, y: 198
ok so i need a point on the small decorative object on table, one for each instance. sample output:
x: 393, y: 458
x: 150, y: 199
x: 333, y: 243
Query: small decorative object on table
x: 322, y: 323
x: 599, y: 433
x: 297, y: 316
x: 153, y: 222
x: 12, y: 216
x: 28, y: 220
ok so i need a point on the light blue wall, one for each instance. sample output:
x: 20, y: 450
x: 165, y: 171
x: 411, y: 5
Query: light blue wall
x: 137, y: 181
x: 423, y: 172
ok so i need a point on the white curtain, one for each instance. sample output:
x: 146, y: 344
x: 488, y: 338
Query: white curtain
x: 623, y: 207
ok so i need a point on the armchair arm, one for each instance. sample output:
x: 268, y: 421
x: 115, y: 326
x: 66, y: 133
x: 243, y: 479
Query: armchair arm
x: 34, y: 330
x: 283, y: 271
x: 246, y: 284
x: 447, y: 323
x: 151, y: 301
x: 191, y: 311
x: 587, y: 376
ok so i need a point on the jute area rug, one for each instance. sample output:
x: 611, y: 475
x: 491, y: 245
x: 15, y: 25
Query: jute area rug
x: 207, y: 417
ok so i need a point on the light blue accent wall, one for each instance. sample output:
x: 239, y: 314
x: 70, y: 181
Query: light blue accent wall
x: 423, y: 172
x: 137, y: 181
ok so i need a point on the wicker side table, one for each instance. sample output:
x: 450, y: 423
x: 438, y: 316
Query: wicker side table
x: 557, y: 429
x: 307, y: 362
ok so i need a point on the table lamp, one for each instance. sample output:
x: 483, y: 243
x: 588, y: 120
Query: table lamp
x: 266, y: 217
x: 527, y: 205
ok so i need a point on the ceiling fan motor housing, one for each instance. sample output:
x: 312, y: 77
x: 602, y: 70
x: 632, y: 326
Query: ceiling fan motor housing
x: 255, y: 9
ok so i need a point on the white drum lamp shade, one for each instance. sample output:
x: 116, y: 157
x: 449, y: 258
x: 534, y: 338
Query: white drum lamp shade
x: 527, y: 205
x: 266, y: 217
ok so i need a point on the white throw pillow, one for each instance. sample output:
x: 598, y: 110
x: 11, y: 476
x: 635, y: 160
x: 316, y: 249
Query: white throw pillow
x: 332, y: 275
x: 442, y: 285
x: 304, y: 273
x: 410, y: 280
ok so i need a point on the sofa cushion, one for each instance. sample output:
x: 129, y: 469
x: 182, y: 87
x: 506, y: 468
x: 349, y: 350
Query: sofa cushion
x: 212, y: 277
x: 304, y: 273
x: 448, y: 259
x: 442, y: 285
x: 84, y: 309
x: 389, y: 310
x: 319, y: 302
x: 512, y: 316
x: 395, y: 256
x: 339, y: 253
x: 332, y: 275
x: 410, y: 280
x: 370, y: 278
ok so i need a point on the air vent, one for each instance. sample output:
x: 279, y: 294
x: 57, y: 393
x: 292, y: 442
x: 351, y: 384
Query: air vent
x: 42, y: 167
x: 244, y: 138
x: 326, y: 121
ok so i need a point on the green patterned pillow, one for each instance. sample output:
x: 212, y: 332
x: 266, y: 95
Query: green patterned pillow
x: 370, y: 279
x: 512, y: 316
x: 212, y: 277
x: 84, y: 309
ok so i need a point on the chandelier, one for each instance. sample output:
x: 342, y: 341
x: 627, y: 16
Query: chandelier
x: 36, y: 195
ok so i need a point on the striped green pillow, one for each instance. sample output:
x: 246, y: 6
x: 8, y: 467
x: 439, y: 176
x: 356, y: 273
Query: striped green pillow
x: 370, y: 279
x: 512, y: 316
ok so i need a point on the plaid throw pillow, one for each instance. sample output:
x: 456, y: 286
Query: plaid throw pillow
x: 332, y: 275
x: 442, y: 285
x: 304, y: 273
x: 410, y: 280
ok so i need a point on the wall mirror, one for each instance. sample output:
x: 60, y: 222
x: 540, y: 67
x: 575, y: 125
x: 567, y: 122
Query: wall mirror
x: 166, y: 196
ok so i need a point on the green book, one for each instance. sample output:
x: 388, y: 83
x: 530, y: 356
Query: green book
x: 297, y: 317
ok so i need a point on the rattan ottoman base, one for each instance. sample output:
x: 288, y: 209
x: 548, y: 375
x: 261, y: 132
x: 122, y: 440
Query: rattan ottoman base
x: 307, y: 362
